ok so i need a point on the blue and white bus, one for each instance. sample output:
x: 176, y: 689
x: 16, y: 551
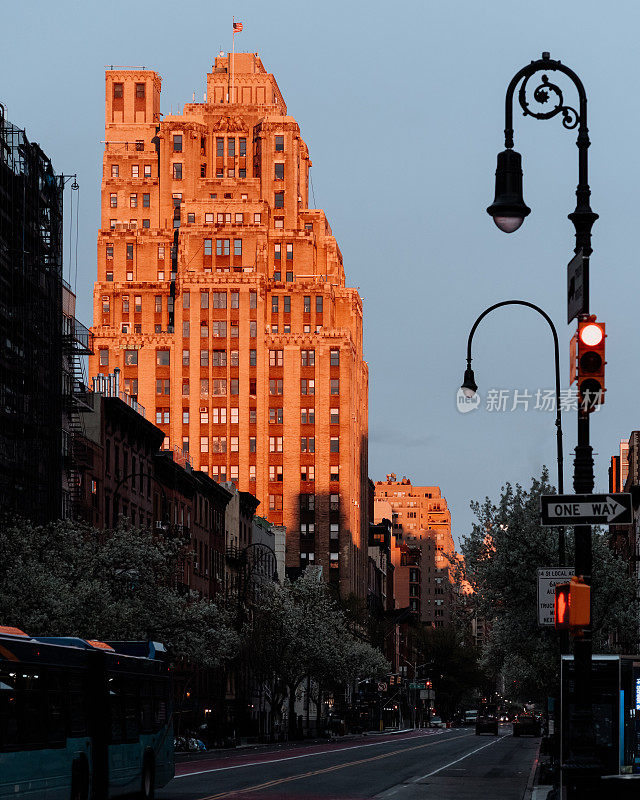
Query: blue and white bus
x: 83, y: 720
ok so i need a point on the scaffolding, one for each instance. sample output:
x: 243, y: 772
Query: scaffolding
x: 31, y: 206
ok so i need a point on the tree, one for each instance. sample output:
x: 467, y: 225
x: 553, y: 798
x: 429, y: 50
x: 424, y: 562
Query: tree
x: 67, y: 579
x: 298, y: 631
x: 502, y: 553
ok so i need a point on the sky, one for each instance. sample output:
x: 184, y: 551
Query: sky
x: 402, y: 106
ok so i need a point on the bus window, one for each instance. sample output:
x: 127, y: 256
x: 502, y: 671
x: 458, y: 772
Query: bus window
x: 77, y: 706
x: 146, y: 706
x: 8, y: 709
x: 159, y: 704
x: 115, y: 706
x: 131, y: 718
x: 31, y: 709
x: 55, y: 707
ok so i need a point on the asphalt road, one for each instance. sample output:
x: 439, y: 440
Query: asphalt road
x: 409, y: 766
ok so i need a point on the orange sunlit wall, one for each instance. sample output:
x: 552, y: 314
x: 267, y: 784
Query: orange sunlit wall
x: 221, y: 297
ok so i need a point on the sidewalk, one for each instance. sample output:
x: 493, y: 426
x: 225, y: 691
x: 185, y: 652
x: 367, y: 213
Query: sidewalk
x: 536, y: 790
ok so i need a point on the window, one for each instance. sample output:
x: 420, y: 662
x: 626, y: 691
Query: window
x: 219, y: 147
x: 204, y: 387
x: 233, y: 444
x: 334, y: 444
x: 137, y: 304
x: 208, y: 247
x: 279, y: 144
x: 257, y: 217
x: 204, y: 330
x: 307, y: 472
x: 191, y: 217
x: 275, y: 444
x: 129, y: 252
x: 242, y: 146
x: 115, y: 170
x: 307, y: 444
x: 177, y: 143
x: 274, y: 304
x: 234, y: 386
x: 125, y: 303
x: 208, y: 218
x: 140, y: 90
x: 118, y: 90
x: 277, y: 275
x: 279, y: 174
x: 307, y: 305
x: 162, y: 416
x: 252, y: 472
x: 204, y: 415
x: 334, y: 416
x: 163, y: 358
x: 222, y: 247
x: 104, y: 357
x: 335, y: 386
x: 253, y: 299
x: 253, y: 358
x: 318, y: 304
x: 204, y: 299
x: 253, y: 416
x: 289, y: 252
x: 146, y: 200
x: 113, y: 200
x: 334, y: 531
x: 186, y: 329
x: 278, y: 202
x: 133, y: 200
x: 237, y: 247
x: 204, y: 444
x: 105, y: 304
x: 130, y: 358
x: 334, y: 472
x: 253, y: 329
x: 219, y: 387
x: 231, y: 147
x: 275, y: 473
x: 219, y: 416
x: 185, y: 387
x: 147, y: 170
x: 275, y: 358
x: 275, y: 502
x: 307, y: 386
x: 334, y: 502
x: 112, y: 224
x: 307, y: 416
x: 177, y: 172
x: 146, y: 223
x: 335, y: 358
x: 275, y: 416
x: 185, y: 358
x: 204, y: 358
x: 160, y: 252
x: 275, y: 386
x: 308, y: 358
x: 163, y: 386
x: 135, y: 171
x: 277, y: 252
x: 235, y: 415
x: 158, y: 304
x: 219, y: 358
x: 219, y: 329
x: 234, y: 358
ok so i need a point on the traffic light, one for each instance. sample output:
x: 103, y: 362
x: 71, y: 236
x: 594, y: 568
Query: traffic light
x: 573, y: 604
x: 591, y: 363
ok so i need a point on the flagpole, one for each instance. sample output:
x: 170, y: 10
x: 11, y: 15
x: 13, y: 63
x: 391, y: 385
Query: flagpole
x: 233, y: 57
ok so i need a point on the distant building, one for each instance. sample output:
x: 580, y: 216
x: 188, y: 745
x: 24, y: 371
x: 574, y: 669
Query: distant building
x: 423, y: 551
x: 31, y: 459
x: 221, y: 295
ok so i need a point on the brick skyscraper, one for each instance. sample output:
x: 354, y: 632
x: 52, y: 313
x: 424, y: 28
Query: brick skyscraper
x: 221, y: 297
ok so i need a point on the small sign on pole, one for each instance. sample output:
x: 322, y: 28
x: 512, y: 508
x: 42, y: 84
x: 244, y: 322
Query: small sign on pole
x: 548, y: 578
x: 576, y: 288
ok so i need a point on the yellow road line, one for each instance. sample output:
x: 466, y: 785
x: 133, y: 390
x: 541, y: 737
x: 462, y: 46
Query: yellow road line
x: 334, y: 768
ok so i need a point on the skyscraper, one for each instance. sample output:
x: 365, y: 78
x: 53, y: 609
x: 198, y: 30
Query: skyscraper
x: 221, y: 296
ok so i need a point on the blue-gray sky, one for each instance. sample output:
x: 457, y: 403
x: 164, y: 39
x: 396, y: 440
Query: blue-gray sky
x: 402, y: 106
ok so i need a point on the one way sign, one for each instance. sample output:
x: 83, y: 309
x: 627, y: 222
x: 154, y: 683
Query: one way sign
x: 585, y: 509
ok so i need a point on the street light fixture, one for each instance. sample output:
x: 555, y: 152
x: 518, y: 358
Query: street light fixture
x: 508, y: 208
x: 469, y: 386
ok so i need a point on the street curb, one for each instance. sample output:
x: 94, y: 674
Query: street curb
x: 528, y: 792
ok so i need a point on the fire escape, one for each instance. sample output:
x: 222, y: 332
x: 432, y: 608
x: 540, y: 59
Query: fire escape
x: 77, y: 342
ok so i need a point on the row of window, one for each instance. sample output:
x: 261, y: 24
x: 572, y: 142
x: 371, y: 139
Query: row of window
x: 307, y: 386
x: 135, y: 171
x: 219, y: 472
x: 133, y: 200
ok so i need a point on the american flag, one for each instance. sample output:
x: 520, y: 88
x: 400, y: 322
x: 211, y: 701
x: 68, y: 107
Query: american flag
x: 237, y: 27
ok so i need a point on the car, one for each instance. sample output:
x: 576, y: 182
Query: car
x: 470, y: 717
x: 436, y: 722
x: 487, y: 723
x: 526, y: 725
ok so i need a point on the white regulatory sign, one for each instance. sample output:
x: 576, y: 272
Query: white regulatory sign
x: 547, y: 580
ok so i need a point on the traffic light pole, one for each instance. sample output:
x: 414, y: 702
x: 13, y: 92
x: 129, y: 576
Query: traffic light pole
x: 580, y: 766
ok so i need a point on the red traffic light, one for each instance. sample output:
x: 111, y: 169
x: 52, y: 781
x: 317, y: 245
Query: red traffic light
x: 591, y: 363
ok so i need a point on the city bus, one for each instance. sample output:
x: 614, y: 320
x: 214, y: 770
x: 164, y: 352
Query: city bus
x: 83, y: 719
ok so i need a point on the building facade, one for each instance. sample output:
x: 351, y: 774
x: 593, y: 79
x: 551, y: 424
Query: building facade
x: 31, y: 459
x: 422, y: 552
x: 221, y: 296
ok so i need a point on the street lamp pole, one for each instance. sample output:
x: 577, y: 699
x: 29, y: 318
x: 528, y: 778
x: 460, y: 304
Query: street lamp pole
x: 508, y: 211
x: 469, y: 388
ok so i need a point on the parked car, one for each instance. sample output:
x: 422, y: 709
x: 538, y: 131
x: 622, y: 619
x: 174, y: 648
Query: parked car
x: 487, y: 723
x: 436, y: 722
x: 526, y: 725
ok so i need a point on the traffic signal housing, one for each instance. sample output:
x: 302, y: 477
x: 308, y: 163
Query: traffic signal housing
x: 591, y: 363
x: 573, y: 604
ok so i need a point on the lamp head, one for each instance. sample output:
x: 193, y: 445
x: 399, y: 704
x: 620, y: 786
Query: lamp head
x: 508, y: 208
x: 469, y: 385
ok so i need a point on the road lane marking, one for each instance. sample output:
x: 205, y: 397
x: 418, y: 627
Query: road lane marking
x: 458, y: 760
x: 303, y: 755
x: 334, y: 768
